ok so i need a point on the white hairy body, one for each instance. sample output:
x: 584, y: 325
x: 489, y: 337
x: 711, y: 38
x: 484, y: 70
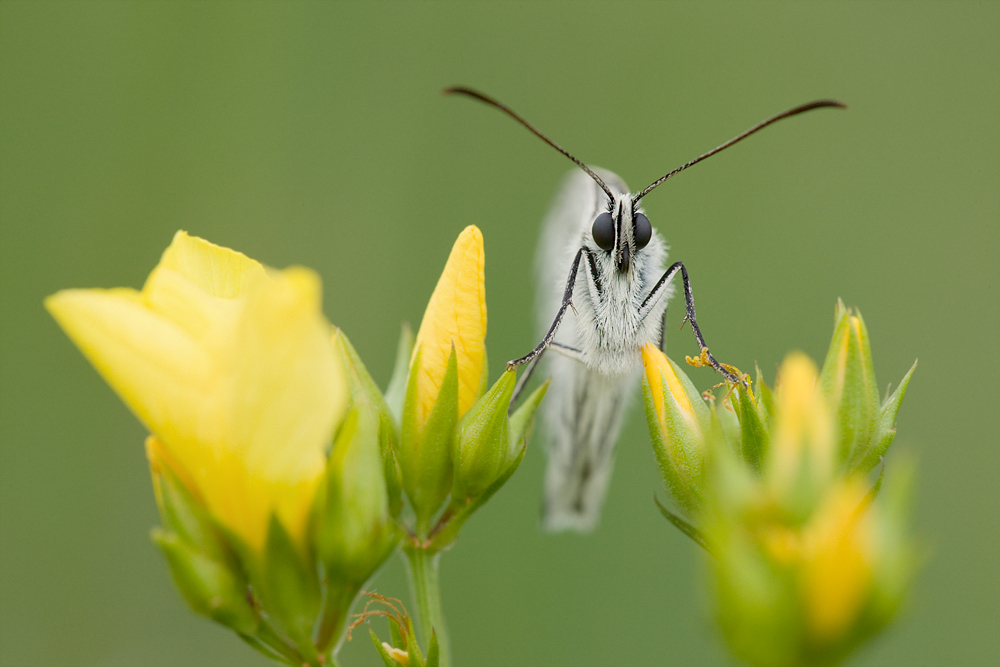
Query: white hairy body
x: 595, y: 361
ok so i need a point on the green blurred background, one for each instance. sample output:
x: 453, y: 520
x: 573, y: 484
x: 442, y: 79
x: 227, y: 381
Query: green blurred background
x: 315, y: 134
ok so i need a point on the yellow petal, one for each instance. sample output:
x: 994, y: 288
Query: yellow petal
x: 161, y: 373
x: 838, y: 554
x: 455, y: 315
x: 215, y: 270
x: 804, y: 425
x: 286, y: 390
x: 232, y: 369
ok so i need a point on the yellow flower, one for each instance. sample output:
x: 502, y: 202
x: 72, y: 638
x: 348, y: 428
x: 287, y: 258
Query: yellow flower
x: 231, y: 366
x: 455, y: 318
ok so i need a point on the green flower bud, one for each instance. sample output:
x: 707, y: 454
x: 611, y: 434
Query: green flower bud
x: 848, y: 382
x: 865, y: 428
x: 366, y: 396
x: 355, y: 519
x: 425, y: 443
x: 355, y: 529
x: 481, y: 443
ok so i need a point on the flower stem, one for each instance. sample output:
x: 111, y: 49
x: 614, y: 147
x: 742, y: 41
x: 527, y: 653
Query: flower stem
x: 423, y: 571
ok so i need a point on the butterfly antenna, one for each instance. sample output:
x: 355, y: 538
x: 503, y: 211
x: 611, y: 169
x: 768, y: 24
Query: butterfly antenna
x: 475, y: 94
x: 759, y: 126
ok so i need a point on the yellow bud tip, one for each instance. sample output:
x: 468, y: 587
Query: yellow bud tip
x: 658, y: 370
x: 455, y: 316
x: 804, y: 423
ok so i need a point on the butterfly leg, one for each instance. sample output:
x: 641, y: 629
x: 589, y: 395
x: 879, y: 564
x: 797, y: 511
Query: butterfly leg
x: 533, y: 356
x: 657, y: 292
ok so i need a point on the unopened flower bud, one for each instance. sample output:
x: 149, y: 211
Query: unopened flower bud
x: 679, y: 424
x: 447, y: 375
x: 482, y: 440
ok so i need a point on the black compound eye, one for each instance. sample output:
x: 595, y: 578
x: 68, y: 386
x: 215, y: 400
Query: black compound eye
x: 643, y: 230
x: 604, y: 231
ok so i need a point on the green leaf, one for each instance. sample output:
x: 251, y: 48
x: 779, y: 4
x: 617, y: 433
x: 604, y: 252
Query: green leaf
x: 289, y: 587
x: 389, y: 662
x: 211, y: 587
x: 425, y: 449
x: 395, y: 393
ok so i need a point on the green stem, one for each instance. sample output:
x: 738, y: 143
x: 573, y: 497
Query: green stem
x: 423, y: 571
x: 337, y: 607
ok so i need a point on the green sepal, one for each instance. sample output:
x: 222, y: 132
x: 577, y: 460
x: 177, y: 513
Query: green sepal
x: 680, y: 452
x: 365, y: 392
x: 459, y: 512
x: 212, y: 588
x: 412, y: 647
x: 382, y: 653
x: 184, y: 514
x: 287, y: 583
x: 753, y: 432
x: 396, y: 634
x: 433, y: 652
x: 395, y: 393
x: 682, y: 524
x: 425, y: 449
x: 523, y: 419
x: 726, y: 421
x: 848, y: 381
x: 286, y: 656
x: 885, y: 429
x: 765, y: 399
x: 480, y: 443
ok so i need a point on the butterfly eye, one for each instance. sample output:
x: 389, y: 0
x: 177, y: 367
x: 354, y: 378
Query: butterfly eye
x: 643, y: 230
x: 604, y: 231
